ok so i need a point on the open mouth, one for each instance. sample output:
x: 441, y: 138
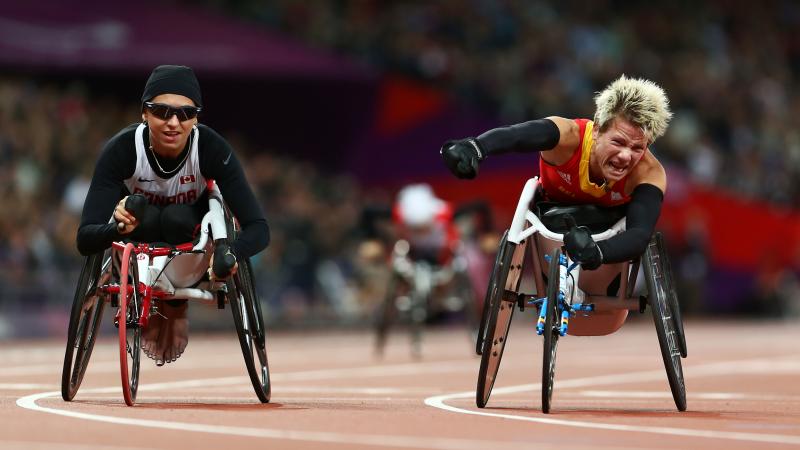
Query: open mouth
x: 617, y: 170
x: 171, y: 136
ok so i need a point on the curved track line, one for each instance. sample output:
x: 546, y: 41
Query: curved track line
x: 704, y: 370
x: 29, y: 402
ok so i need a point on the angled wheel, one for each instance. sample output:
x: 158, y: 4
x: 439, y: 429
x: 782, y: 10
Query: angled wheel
x: 386, y: 314
x: 672, y: 294
x: 551, y: 330
x: 501, y: 310
x: 130, y: 334
x: 84, y: 322
x: 249, y: 321
x: 420, y: 302
x: 494, y: 280
x: 658, y: 300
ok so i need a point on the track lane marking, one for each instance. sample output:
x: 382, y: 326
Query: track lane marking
x: 714, y: 369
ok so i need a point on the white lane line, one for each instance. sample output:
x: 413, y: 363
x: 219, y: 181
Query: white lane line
x: 700, y: 395
x: 29, y: 402
x: 714, y: 369
x: 25, y: 386
x: 382, y: 440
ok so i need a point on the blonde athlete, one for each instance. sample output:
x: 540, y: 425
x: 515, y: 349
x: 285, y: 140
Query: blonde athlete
x: 606, y: 162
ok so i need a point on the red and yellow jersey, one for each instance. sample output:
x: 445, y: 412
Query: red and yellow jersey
x: 569, y: 182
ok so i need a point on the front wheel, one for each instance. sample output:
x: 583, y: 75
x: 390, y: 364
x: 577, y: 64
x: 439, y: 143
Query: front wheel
x: 551, y: 330
x: 250, y: 328
x: 128, y: 322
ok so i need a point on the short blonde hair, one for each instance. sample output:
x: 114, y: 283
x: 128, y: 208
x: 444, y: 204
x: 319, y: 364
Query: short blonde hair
x: 640, y: 101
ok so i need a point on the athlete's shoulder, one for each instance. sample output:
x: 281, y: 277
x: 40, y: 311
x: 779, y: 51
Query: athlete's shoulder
x: 123, y: 138
x: 208, y: 133
x: 649, y: 170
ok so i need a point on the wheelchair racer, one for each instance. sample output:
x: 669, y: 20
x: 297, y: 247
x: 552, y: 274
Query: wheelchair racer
x: 606, y: 161
x: 426, y: 223
x: 167, y: 159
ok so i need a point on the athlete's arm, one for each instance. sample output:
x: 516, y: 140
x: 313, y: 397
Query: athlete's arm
x: 218, y: 162
x: 642, y: 215
x: 555, y: 137
x: 116, y: 163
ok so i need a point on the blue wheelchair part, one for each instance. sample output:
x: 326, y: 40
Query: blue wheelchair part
x: 564, y: 309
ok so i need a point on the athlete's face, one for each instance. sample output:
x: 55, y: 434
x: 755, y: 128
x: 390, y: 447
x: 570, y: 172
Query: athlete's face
x: 169, y: 136
x: 616, y: 150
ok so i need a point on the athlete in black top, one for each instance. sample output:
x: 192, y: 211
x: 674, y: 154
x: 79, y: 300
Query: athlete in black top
x: 217, y: 161
x: 167, y: 158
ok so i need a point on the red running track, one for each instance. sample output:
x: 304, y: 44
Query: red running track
x: 330, y: 391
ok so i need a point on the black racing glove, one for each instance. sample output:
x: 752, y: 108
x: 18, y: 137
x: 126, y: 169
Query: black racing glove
x: 462, y: 157
x: 581, y: 247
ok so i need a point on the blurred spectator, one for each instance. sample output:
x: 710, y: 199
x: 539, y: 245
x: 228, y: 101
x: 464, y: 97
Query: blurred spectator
x: 730, y: 68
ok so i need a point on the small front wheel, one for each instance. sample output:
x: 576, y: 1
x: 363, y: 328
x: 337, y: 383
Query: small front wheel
x: 128, y: 322
x: 551, y: 330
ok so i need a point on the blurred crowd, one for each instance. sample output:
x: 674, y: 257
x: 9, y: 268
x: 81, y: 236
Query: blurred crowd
x: 729, y: 68
x: 50, y: 138
x: 731, y: 71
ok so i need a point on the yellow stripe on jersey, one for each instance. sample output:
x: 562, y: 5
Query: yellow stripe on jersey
x: 583, y: 170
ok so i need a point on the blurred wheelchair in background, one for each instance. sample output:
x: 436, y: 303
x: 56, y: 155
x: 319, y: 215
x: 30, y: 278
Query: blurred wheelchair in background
x: 569, y: 300
x: 428, y: 267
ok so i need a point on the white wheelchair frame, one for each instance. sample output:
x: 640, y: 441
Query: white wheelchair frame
x: 574, y: 302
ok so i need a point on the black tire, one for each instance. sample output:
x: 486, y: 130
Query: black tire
x: 386, y: 314
x: 501, y: 311
x: 130, y: 333
x: 502, y: 249
x: 674, y: 305
x: 250, y: 328
x: 658, y: 300
x: 84, y: 322
x: 551, y: 331
x: 420, y: 303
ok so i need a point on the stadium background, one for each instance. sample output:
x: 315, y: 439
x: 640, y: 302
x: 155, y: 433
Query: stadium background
x: 335, y: 105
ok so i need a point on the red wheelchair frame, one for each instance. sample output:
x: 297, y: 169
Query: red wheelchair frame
x: 115, y: 277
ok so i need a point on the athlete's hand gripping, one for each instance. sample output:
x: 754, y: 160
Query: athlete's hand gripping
x: 127, y: 211
x: 581, y: 247
x: 462, y: 157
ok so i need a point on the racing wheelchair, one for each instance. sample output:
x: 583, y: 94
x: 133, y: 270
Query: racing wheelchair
x: 420, y: 286
x: 571, y: 301
x: 129, y: 276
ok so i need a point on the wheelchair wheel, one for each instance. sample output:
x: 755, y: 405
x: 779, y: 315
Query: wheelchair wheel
x: 658, y: 300
x: 672, y: 294
x: 502, y: 249
x: 420, y: 303
x: 551, y: 331
x: 498, y: 323
x: 250, y: 328
x: 84, y: 322
x: 130, y: 333
x: 386, y: 315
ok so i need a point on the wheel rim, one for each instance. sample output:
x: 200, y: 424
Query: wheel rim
x: 665, y: 327
x: 493, y: 282
x: 501, y: 312
x: 85, y: 318
x: 551, y: 333
x: 249, y: 328
x: 128, y: 323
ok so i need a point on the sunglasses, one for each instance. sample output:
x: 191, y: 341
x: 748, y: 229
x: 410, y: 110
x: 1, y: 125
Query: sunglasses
x: 165, y: 112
